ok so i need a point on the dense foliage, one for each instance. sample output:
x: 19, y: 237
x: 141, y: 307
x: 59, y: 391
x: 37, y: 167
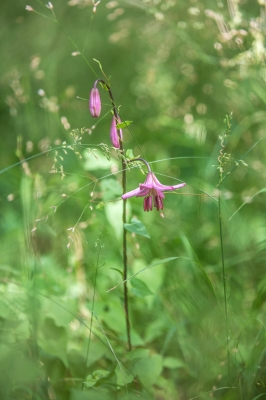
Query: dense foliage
x: 191, y: 76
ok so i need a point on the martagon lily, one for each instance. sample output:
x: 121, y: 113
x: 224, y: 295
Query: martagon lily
x: 151, y: 189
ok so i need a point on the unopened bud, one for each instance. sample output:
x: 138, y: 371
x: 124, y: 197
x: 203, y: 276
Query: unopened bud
x: 49, y: 5
x: 95, y: 103
x: 29, y: 8
x: 114, y: 134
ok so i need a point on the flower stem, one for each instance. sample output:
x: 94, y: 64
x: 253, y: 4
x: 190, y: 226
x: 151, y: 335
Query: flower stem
x: 124, y: 216
x: 142, y: 160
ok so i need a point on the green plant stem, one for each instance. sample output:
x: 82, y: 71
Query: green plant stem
x: 124, y: 217
x: 125, y: 258
x: 224, y: 284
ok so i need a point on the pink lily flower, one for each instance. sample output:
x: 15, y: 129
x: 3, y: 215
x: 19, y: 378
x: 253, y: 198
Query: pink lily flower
x: 151, y: 189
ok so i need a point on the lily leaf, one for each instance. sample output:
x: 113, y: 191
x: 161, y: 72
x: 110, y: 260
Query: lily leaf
x: 139, y: 288
x: 123, y: 124
x: 137, y: 227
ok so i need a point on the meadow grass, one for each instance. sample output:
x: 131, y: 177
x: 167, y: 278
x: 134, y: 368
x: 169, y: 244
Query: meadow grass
x: 191, y: 77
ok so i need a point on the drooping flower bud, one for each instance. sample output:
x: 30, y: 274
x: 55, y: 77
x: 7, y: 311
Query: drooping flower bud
x: 95, y: 102
x: 114, y: 134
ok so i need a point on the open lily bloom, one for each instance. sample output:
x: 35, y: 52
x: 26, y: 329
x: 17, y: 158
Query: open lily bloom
x: 151, y: 189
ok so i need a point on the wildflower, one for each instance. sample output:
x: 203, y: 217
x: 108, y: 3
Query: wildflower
x: 114, y: 133
x: 151, y: 189
x: 95, y: 102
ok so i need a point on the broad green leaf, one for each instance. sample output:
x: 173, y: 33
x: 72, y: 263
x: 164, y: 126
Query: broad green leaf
x: 62, y: 316
x: 139, y: 288
x: 53, y: 340
x: 113, y: 213
x: 123, y: 124
x: 112, y: 314
x: 138, y: 353
x: 137, y: 227
x: 172, y: 363
x: 97, y: 350
x: 87, y: 394
x: 149, y: 369
x: 152, y: 278
x: 91, y: 163
x: 111, y: 189
x: 123, y: 376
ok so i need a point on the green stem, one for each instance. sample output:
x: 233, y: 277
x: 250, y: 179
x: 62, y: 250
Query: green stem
x: 224, y: 284
x: 124, y: 216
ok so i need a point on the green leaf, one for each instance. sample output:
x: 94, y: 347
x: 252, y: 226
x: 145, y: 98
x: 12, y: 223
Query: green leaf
x: 112, y: 314
x: 96, y: 376
x: 89, y: 394
x: 172, y: 363
x: 123, y: 124
x: 111, y: 189
x: 137, y: 227
x: 61, y: 315
x: 138, y: 353
x: 149, y: 369
x: 92, y: 163
x: 113, y: 213
x: 139, y: 288
x: 123, y: 376
x: 129, y: 153
x: 97, y: 350
x: 53, y: 340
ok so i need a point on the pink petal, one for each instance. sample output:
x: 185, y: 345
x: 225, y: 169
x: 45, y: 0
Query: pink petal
x: 159, y: 186
x: 132, y: 193
x: 142, y: 191
x: 179, y: 186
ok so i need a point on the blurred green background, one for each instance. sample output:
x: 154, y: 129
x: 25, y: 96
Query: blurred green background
x: 176, y: 69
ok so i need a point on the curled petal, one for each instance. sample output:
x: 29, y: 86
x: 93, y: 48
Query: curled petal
x: 162, y: 187
x: 132, y: 193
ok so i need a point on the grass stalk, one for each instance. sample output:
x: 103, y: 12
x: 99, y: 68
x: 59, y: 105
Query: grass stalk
x: 224, y: 284
x: 92, y: 310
